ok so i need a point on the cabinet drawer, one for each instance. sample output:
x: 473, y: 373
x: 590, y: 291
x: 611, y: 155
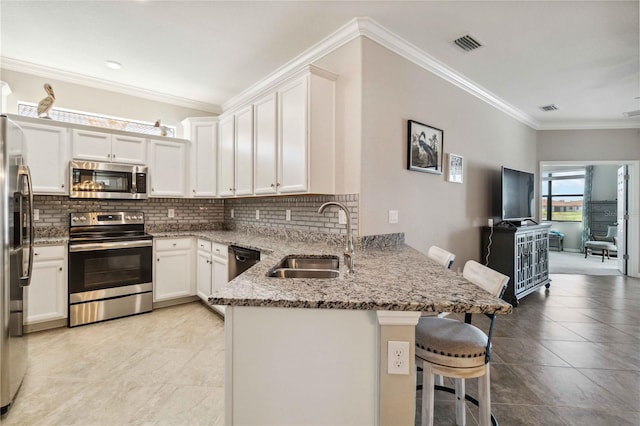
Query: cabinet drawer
x: 220, y: 250
x: 48, y: 252
x: 204, y: 245
x: 173, y: 244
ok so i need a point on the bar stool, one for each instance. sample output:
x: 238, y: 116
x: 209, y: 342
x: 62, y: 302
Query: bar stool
x: 441, y: 256
x: 459, y: 350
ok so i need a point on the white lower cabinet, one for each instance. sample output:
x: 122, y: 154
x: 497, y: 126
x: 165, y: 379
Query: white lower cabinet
x: 47, y: 293
x: 173, y: 269
x: 212, y: 269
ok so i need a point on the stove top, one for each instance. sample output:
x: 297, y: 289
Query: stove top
x: 107, y: 227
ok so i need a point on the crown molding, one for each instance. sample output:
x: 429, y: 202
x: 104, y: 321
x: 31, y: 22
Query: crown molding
x: 75, y: 78
x: 375, y: 32
x: 590, y: 125
x: 338, y: 38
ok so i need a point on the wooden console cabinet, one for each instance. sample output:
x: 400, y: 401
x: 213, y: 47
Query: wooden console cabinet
x: 522, y: 253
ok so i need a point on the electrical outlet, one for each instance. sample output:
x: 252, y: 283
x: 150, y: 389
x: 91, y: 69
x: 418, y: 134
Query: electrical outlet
x: 231, y: 213
x: 397, y: 357
x: 490, y: 222
x: 393, y: 216
x: 288, y: 214
x: 171, y: 213
x: 257, y: 214
x: 36, y: 214
x: 342, y: 217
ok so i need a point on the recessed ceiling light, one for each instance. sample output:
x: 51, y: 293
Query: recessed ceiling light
x: 113, y: 65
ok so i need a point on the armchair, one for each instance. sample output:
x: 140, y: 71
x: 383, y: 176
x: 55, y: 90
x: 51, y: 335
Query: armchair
x: 605, y: 244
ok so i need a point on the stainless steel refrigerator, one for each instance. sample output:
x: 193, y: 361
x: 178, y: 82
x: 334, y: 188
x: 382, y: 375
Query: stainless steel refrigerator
x: 16, y: 258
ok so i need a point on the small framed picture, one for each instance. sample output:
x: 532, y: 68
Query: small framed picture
x: 454, y: 171
x: 425, y: 148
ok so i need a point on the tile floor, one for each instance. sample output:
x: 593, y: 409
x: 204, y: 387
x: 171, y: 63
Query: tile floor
x: 567, y: 356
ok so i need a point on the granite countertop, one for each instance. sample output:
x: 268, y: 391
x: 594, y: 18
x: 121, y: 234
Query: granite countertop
x: 394, y: 278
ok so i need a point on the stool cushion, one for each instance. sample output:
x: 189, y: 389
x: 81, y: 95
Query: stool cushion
x: 450, y: 342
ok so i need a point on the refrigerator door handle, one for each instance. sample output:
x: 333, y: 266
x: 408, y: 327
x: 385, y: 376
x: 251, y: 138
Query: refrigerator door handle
x: 23, y: 170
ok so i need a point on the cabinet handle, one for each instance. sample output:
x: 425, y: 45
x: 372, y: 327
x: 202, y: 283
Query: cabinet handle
x: 272, y: 185
x: 230, y: 189
x: 278, y: 184
x: 158, y: 260
x: 174, y: 244
x: 61, y: 269
x: 62, y: 186
x: 194, y: 191
x: 36, y: 254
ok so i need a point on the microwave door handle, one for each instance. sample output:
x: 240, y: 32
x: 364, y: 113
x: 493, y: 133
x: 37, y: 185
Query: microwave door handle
x: 23, y: 171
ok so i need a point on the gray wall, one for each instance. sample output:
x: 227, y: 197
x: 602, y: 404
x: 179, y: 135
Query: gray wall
x: 588, y: 145
x: 431, y: 210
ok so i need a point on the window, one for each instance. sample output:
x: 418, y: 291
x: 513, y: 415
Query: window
x: 563, y: 195
x: 27, y: 109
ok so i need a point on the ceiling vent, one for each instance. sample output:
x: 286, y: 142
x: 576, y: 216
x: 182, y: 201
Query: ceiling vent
x: 467, y: 43
x: 551, y: 107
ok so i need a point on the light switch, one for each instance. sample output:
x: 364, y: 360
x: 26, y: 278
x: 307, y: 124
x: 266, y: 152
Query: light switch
x: 172, y: 213
x: 393, y: 216
x: 36, y: 214
x: 288, y: 214
x: 257, y: 214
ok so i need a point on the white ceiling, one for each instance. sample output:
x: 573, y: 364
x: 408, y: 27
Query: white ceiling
x: 583, y: 56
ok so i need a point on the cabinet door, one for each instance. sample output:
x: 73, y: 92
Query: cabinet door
x: 47, y: 294
x: 244, y: 151
x: 293, y: 138
x: 47, y: 153
x: 203, y: 275
x: 265, y: 145
x: 226, y: 164
x: 172, y: 277
x: 89, y: 145
x: 220, y: 273
x: 167, y: 168
x: 128, y: 149
x: 204, y: 136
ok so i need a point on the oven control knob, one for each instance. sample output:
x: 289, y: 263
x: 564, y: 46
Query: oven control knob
x: 128, y: 217
x: 82, y: 218
x: 74, y: 218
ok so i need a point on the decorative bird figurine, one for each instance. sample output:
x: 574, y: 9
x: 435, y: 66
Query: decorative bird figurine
x: 45, y: 105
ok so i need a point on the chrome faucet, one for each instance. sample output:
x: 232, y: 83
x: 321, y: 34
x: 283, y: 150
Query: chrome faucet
x: 349, y: 250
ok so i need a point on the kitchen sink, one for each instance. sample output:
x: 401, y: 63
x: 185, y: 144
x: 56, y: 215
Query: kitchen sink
x: 306, y: 266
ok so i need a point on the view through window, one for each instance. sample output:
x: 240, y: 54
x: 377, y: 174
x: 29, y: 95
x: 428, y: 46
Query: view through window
x: 563, y: 195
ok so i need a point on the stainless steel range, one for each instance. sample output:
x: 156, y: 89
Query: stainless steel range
x: 110, y: 266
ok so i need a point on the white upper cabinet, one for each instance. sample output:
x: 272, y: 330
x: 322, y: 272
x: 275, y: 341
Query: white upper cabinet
x: 294, y: 138
x: 47, y: 153
x: 244, y: 151
x: 226, y: 154
x: 101, y: 146
x: 265, y: 126
x: 203, y: 134
x: 167, y: 171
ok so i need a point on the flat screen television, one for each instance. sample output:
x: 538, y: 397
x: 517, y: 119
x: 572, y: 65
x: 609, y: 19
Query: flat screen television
x: 517, y: 195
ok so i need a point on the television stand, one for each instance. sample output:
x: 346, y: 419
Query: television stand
x: 522, y: 253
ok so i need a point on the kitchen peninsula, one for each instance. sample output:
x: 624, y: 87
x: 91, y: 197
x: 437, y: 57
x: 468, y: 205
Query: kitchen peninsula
x: 314, y: 351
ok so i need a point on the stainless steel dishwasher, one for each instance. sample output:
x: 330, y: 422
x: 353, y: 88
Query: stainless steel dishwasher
x: 241, y: 259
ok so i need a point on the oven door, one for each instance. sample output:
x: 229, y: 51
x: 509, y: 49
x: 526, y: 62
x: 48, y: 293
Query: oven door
x: 95, y: 268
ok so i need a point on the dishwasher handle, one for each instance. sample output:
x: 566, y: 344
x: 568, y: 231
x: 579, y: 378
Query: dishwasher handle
x: 242, y: 254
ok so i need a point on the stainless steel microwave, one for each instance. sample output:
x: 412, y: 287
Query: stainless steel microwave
x: 107, y: 180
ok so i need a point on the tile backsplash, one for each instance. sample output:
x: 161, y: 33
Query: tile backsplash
x: 189, y: 213
x: 206, y: 214
x: 272, y: 213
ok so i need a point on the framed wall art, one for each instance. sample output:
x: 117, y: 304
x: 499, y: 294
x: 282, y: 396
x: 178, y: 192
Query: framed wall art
x: 425, y: 148
x: 454, y: 168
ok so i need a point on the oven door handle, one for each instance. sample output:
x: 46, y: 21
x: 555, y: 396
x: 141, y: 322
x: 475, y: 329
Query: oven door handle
x: 108, y: 246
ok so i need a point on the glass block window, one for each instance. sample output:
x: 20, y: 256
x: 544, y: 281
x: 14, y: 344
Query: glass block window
x: 77, y: 117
